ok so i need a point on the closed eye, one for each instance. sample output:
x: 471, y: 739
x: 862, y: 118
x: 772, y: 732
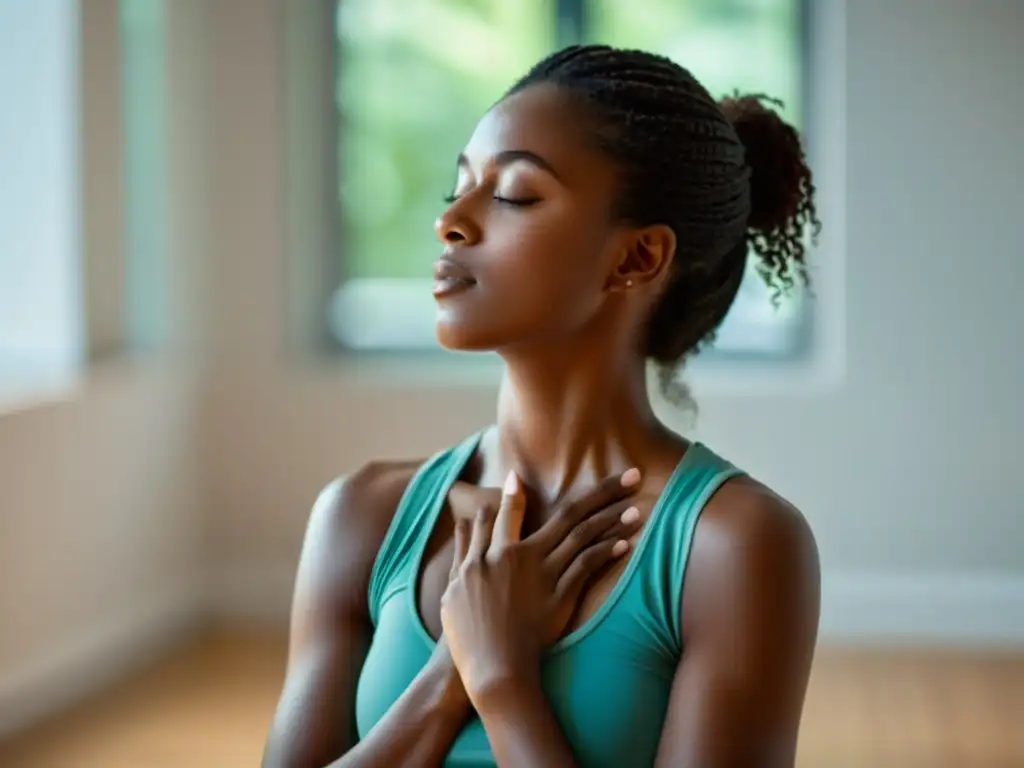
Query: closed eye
x: 519, y: 203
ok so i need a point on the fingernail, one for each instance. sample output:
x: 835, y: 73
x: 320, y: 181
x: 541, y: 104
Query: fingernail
x: 631, y: 515
x: 512, y: 482
x: 620, y: 547
x: 630, y: 477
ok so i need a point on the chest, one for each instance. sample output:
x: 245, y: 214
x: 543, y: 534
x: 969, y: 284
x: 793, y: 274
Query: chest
x: 434, y: 579
x: 437, y: 562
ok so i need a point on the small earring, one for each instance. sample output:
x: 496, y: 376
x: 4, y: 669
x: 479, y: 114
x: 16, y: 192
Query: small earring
x: 629, y: 283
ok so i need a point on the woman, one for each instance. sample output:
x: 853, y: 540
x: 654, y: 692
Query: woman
x: 627, y: 597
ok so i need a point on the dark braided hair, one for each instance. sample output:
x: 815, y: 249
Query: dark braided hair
x: 726, y: 177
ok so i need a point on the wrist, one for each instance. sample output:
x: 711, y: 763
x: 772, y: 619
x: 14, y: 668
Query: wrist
x: 450, y: 692
x: 500, y: 688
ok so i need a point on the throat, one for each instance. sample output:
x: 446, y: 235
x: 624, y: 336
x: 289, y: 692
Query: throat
x: 563, y: 430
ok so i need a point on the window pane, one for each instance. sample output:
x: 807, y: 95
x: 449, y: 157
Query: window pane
x: 144, y: 99
x: 41, y: 328
x: 415, y: 77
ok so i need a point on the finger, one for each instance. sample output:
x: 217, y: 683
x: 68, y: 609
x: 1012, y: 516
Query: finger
x: 621, y: 519
x: 607, y: 492
x: 586, y: 564
x: 625, y: 527
x: 480, y: 539
x: 462, y: 534
x: 508, y: 524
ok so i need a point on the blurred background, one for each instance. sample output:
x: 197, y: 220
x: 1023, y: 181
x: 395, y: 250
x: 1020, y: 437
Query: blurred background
x: 215, y: 230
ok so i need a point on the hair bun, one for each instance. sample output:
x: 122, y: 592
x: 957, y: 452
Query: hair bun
x: 780, y: 179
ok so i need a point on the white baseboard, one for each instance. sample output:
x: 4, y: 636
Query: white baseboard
x: 64, y: 673
x: 871, y: 608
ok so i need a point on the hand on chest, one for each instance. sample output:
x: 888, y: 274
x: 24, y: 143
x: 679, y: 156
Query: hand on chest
x: 462, y: 502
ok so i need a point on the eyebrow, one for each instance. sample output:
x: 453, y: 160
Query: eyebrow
x: 516, y: 155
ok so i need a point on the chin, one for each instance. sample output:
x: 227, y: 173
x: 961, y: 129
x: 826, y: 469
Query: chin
x: 484, y: 327
x: 455, y: 337
x: 458, y: 329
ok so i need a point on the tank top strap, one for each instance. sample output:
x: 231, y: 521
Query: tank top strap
x: 414, y: 517
x: 669, y: 539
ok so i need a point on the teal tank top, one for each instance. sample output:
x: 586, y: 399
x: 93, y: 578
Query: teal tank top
x: 608, y: 681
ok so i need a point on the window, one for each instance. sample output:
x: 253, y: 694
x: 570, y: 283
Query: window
x: 144, y: 97
x: 396, y: 153
x: 40, y: 304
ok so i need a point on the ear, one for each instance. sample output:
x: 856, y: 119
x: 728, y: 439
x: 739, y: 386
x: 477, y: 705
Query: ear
x: 645, y: 257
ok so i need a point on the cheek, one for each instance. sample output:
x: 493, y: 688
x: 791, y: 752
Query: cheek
x: 551, y: 255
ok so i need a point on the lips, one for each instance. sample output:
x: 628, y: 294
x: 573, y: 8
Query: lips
x: 446, y: 269
x: 450, y: 277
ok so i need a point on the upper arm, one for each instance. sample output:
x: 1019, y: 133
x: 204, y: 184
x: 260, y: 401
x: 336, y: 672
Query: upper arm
x: 750, y: 619
x: 330, y: 630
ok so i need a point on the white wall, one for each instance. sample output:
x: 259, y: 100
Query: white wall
x: 100, y: 488
x: 901, y: 456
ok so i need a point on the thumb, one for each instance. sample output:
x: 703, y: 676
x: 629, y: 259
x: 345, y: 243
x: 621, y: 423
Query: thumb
x: 509, y: 522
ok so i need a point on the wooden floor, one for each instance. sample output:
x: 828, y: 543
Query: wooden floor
x: 210, y: 705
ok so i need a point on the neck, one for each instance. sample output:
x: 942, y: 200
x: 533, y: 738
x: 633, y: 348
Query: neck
x: 567, y: 419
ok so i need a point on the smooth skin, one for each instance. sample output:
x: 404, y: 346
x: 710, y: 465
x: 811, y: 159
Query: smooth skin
x: 560, y: 289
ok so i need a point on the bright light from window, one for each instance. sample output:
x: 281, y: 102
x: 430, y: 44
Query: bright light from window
x: 41, y: 330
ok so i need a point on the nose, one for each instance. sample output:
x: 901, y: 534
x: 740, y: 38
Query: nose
x: 455, y: 227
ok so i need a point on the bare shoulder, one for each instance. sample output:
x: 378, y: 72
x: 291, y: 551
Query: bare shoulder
x: 749, y: 517
x: 346, y: 527
x: 752, y: 547
x: 364, y: 500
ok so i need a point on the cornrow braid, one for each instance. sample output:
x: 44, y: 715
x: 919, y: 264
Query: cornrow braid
x: 728, y: 177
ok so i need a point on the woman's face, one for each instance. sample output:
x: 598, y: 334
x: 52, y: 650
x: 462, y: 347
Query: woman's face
x: 530, y: 248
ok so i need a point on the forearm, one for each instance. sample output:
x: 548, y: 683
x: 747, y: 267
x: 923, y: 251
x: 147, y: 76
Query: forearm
x: 522, y: 728
x: 420, y: 727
